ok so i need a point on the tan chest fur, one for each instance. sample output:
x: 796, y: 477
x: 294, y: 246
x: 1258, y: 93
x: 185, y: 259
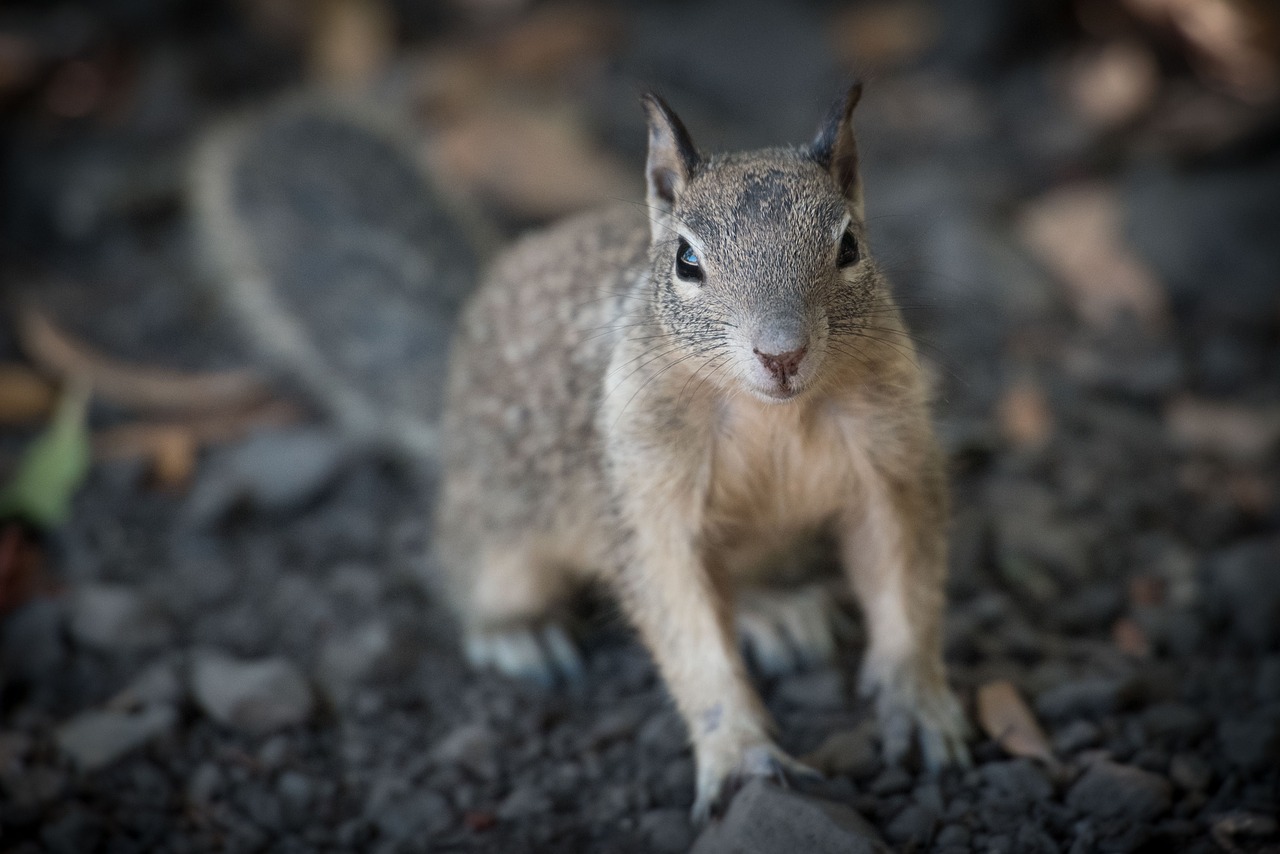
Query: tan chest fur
x: 778, y: 474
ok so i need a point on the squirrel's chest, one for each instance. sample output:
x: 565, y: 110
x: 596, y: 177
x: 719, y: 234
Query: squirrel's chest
x: 777, y: 471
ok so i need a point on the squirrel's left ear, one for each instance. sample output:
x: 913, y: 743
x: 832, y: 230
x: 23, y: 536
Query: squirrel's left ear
x: 835, y: 149
x: 672, y: 155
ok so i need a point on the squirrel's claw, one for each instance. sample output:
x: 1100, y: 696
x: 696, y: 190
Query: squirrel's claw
x: 716, y: 788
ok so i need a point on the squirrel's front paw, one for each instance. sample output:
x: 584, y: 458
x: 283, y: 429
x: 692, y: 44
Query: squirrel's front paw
x: 932, y: 713
x: 720, y: 776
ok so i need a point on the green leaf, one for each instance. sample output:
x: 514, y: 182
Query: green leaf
x: 52, y: 468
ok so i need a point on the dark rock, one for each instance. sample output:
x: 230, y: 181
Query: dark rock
x: 1076, y: 735
x: 1190, y: 772
x: 1112, y: 791
x: 205, y: 784
x: 1251, y: 743
x: 1085, y: 697
x: 666, y: 831
x: 348, y: 657
x: 31, y: 644
x: 523, y: 802
x: 818, y: 689
x: 913, y: 826
x: 953, y: 836
x: 257, y: 696
x: 156, y: 685
x: 98, y: 738
x: 472, y: 746
x: 409, y: 814
x: 1017, y: 779
x: 1174, y: 720
x: 892, y: 781
x: 1267, y: 686
x: 763, y: 819
x: 851, y: 752
x: 113, y: 616
x: 1242, y: 588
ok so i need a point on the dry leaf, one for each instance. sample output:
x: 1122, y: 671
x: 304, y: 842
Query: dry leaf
x: 884, y: 34
x: 1238, y: 432
x: 351, y: 41
x: 134, y: 386
x: 1005, y: 717
x: 1130, y: 639
x: 1076, y: 231
x: 1023, y: 414
x: 25, y: 396
x: 148, y: 440
x: 535, y: 164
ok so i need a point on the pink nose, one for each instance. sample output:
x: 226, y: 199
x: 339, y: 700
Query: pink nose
x: 783, y: 366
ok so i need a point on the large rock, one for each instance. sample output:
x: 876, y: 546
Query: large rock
x: 764, y: 819
x: 259, y: 696
x: 1109, y: 791
x: 95, y: 739
x: 114, y: 616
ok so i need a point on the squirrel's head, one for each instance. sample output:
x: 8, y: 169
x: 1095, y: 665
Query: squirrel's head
x: 759, y: 259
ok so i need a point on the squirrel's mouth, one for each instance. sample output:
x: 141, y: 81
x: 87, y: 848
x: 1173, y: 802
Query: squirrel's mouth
x: 779, y: 392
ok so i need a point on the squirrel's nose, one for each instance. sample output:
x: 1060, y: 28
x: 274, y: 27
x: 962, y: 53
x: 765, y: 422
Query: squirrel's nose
x: 782, y: 365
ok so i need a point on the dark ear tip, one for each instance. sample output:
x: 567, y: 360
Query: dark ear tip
x: 853, y: 97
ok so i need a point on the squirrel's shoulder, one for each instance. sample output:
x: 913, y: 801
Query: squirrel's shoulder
x: 611, y: 238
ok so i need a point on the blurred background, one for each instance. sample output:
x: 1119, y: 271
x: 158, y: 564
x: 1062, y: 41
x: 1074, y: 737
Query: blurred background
x: 214, y: 632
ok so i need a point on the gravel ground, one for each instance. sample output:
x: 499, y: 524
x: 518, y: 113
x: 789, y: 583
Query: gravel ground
x: 257, y: 665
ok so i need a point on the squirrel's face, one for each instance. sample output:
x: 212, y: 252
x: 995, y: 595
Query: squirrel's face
x: 759, y: 264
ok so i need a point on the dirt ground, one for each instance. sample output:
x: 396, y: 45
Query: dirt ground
x: 229, y: 646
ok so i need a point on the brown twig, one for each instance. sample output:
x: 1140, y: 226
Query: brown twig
x: 134, y: 386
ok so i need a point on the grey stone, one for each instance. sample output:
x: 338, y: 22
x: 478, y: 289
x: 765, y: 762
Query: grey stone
x: 205, y: 784
x: 850, y: 752
x: 403, y: 813
x: 96, y: 739
x: 913, y: 826
x: 1243, y: 588
x: 818, y: 689
x: 666, y: 831
x: 257, y: 695
x: 156, y: 685
x: 274, y: 472
x: 31, y: 644
x: 525, y: 801
x: 1083, y: 697
x: 1190, y: 772
x: 763, y: 819
x: 1076, y: 735
x: 1017, y: 779
x: 349, y: 657
x: 1267, y: 686
x: 893, y: 780
x: 953, y: 835
x: 1171, y: 719
x: 1112, y: 791
x: 113, y: 616
x: 1251, y: 743
x: 472, y: 746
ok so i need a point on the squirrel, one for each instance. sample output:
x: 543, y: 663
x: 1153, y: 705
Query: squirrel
x: 668, y: 397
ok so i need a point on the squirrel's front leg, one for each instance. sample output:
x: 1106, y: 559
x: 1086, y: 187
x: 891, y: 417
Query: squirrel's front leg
x: 893, y: 544
x: 685, y: 619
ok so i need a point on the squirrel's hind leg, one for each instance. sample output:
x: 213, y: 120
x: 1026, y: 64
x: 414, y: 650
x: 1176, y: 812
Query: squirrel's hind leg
x: 513, y: 612
x: 785, y: 629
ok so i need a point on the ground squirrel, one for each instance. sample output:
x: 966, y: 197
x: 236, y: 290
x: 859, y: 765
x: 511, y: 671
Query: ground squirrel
x: 668, y: 396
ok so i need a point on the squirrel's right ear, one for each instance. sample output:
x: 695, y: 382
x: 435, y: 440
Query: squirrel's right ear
x: 672, y: 155
x: 835, y: 149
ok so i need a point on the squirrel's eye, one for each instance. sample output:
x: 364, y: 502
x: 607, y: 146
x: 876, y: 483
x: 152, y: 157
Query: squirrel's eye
x: 849, y: 253
x: 688, y: 264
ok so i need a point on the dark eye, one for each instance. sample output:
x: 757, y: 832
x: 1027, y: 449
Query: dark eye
x: 849, y: 253
x: 688, y: 264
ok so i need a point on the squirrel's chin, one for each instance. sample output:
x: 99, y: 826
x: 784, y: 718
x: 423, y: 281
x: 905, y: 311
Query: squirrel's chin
x: 777, y: 394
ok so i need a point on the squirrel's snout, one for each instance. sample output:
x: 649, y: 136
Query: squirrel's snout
x: 784, y: 365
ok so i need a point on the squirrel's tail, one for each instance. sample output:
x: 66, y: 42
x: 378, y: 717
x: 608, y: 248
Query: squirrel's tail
x: 328, y: 241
